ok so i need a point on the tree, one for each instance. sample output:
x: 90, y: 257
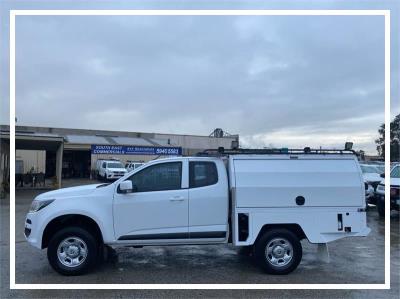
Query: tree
x: 394, y: 140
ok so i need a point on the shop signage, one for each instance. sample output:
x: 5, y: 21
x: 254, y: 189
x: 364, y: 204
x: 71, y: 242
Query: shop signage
x: 136, y: 150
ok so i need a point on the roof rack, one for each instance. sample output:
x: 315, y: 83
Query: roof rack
x: 274, y: 151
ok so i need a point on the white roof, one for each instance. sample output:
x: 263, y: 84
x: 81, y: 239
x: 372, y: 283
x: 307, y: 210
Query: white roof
x: 86, y: 139
x: 131, y: 141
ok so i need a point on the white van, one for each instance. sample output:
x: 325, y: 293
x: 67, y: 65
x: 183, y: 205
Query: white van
x: 267, y: 200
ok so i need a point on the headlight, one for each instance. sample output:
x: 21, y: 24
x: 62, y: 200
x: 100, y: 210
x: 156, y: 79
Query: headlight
x: 381, y: 187
x: 39, y: 204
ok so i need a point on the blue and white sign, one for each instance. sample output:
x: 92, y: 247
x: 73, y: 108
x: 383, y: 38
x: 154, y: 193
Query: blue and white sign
x: 136, y: 150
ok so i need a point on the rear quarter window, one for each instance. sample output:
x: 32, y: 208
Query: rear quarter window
x: 202, y: 174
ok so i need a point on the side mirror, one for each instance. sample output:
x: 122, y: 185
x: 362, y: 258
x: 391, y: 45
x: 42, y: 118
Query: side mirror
x: 126, y: 186
x: 382, y: 175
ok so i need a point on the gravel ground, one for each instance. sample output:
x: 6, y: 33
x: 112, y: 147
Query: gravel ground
x: 352, y: 260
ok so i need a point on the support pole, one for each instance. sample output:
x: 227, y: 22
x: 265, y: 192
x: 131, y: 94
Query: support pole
x: 59, y: 160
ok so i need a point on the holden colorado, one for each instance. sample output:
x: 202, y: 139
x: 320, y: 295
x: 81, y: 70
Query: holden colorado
x: 267, y: 201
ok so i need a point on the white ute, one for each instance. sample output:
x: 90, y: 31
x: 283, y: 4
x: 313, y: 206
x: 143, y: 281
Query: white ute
x: 267, y: 200
x: 110, y: 169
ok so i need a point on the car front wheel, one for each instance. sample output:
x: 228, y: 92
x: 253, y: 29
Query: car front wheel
x: 72, y: 251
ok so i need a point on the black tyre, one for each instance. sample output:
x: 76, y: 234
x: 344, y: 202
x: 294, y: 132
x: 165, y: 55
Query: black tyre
x: 73, y: 251
x: 278, y: 251
x: 380, y: 206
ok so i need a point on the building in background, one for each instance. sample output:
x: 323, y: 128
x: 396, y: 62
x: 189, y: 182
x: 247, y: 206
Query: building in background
x: 72, y: 153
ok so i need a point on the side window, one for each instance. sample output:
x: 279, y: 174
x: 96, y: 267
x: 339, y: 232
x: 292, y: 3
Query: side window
x: 202, y: 174
x: 159, y: 177
x: 395, y: 173
x: 104, y: 165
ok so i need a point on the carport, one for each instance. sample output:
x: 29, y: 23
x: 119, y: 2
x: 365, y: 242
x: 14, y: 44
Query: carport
x: 32, y: 141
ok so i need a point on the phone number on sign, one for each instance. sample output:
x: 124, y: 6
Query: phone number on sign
x: 167, y: 151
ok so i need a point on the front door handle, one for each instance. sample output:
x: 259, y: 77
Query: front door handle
x: 177, y: 198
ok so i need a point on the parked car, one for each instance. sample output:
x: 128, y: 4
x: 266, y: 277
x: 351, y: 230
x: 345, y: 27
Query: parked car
x: 265, y: 200
x: 369, y: 194
x: 380, y: 167
x: 372, y: 178
x: 371, y: 174
x: 394, y: 191
x: 133, y: 165
x: 110, y: 169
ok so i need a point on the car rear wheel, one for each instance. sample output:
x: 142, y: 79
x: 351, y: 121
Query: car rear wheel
x: 278, y: 251
x: 72, y: 251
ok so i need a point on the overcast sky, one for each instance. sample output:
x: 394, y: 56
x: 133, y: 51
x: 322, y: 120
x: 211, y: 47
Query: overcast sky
x: 274, y: 80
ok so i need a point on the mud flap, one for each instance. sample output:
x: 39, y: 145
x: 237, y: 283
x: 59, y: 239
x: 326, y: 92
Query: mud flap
x: 109, y: 254
x: 323, y: 253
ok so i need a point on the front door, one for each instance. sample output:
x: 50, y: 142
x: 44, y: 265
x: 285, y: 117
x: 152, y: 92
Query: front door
x: 158, y: 207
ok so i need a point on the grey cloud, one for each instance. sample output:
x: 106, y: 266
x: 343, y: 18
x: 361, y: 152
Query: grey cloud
x: 261, y: 77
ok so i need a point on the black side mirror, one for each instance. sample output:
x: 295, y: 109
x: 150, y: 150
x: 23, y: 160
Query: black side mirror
x: 382, y: 175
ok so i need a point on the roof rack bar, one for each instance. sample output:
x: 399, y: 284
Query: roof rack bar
x: 275, y: 151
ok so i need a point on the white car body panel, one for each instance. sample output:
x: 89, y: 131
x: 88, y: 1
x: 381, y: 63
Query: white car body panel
x: 208, y: 205
x: 394, y: 182
x: 372, y: 177
x: 89, y: 200
x: 263, y: 187
x: 276, y: 181
x: 147, y: 213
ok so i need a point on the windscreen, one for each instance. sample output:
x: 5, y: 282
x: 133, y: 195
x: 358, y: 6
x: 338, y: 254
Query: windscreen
x: 381, y: 168
x: 395, y: 173
x: 115, y: 165
x: 369, y: 169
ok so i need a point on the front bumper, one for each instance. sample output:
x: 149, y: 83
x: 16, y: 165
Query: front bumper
x: 114, y: 175
x: 370, y: 195
x: 31, y: 231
